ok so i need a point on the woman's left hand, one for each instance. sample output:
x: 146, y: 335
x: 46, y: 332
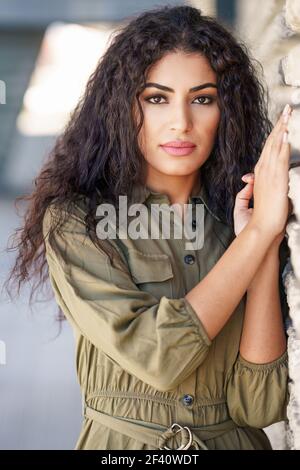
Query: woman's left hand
x: 242, y: 212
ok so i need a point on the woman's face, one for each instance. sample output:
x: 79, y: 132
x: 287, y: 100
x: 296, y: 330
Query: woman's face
x: 179, y: 114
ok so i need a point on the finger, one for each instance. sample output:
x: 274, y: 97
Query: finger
x: 279, y: 128
x: 283, y: 120
x: 282, y: 123
x: 243, y: 197
x: 285, y: 115
x: 285, y: 152
x: 276, y: 141
x: 287, y: 111
x: 276, y: 146
x: 248, y: 178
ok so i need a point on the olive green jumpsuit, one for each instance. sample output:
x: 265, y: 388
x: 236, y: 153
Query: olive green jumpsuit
x: 149, y: 374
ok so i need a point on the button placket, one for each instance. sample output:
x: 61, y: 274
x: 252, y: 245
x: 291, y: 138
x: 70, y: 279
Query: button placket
x: 189, y: 261
x: 190, y: 273
x: 186, y: 400
x: 187, y: 389
x: 190, y: 258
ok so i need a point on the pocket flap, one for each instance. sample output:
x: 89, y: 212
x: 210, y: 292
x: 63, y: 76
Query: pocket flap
x: 147, y: 267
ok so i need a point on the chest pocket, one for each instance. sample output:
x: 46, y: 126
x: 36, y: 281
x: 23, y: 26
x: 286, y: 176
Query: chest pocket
x: 152, y: 272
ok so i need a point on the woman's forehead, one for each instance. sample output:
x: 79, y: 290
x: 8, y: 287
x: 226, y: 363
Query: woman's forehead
x: 193, y: 66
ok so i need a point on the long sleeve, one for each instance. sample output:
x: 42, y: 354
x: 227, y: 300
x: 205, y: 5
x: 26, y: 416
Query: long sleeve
x: 257, y: 394
x: 160, y: 341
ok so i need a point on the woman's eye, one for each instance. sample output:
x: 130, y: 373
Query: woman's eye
x: 157, y: 99
x: 154, y: 98
x: 204, y: 98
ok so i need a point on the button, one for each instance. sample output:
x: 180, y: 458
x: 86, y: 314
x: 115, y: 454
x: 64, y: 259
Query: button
x: 187, y: 400
x: 189, y: 259
x: 194, y: 223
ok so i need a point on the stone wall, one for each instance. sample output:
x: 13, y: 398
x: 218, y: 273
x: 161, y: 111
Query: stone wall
x: 271, y: 29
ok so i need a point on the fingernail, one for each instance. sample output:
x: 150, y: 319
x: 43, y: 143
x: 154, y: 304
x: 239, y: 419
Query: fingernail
x: 286, y: 109
x: 285, y: 137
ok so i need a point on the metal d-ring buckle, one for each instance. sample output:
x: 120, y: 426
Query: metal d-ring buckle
x: 182, y: 447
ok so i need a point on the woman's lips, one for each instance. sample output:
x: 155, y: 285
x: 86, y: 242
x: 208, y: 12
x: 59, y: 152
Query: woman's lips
x: 178, y: 150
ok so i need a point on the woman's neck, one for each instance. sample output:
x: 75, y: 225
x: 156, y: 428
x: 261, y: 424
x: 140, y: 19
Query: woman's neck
x: 177, y: 188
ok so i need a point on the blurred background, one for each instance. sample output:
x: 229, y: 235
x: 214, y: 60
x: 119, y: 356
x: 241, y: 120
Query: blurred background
x: 47, y: 52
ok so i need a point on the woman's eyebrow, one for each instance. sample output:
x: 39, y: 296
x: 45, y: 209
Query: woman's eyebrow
x: 166, y: 88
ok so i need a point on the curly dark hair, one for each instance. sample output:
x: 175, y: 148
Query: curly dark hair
x: 99, y: 146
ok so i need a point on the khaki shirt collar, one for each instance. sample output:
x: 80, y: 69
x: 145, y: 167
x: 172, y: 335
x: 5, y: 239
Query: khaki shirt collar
x: 141, y: 194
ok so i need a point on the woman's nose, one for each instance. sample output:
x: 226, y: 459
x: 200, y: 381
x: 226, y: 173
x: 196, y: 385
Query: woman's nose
x: 181, y: 119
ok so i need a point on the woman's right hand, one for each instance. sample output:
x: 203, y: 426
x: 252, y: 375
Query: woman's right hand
x: 271, y: 181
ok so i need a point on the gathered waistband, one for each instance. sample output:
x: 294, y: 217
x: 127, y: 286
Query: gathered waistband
x: 156, y: 435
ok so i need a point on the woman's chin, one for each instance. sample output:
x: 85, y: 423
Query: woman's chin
x: 178, y: 168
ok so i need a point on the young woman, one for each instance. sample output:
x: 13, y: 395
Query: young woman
x: 176, y: 347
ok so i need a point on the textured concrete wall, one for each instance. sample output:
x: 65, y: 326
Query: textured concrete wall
x: 272, y: 31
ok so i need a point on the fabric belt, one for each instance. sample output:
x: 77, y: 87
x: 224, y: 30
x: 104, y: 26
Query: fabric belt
x: 156, y: 435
